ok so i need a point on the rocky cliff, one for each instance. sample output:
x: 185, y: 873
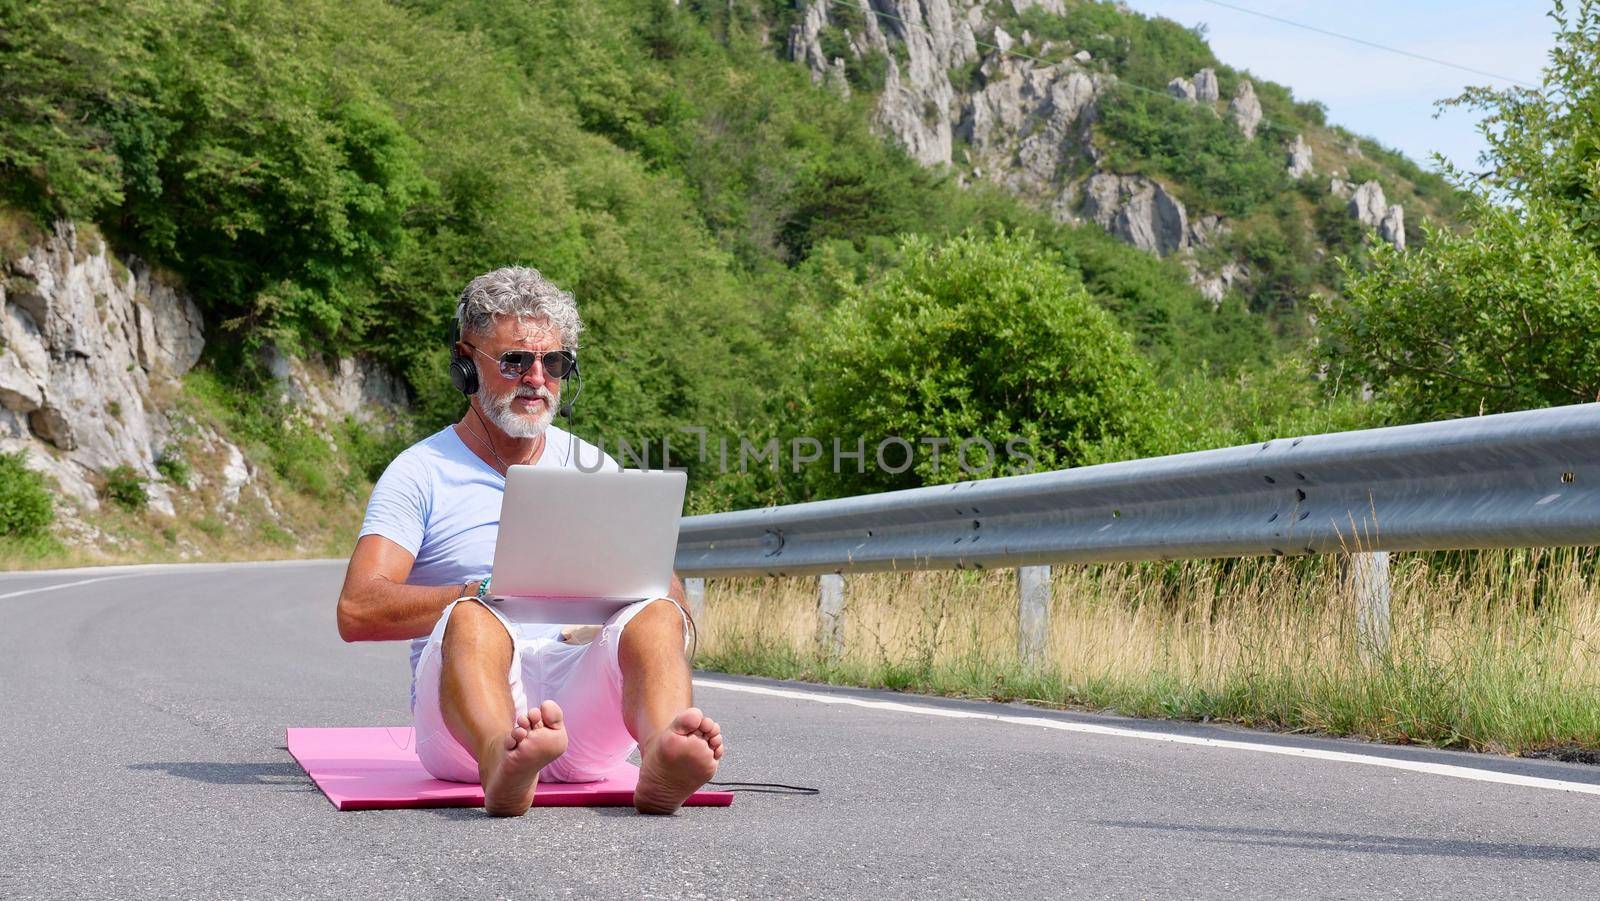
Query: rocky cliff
x: 86, y: 341
x: 962, y: 91
x: 93, y: 349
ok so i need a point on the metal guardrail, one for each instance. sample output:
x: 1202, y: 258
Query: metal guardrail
x: 1509, y: 480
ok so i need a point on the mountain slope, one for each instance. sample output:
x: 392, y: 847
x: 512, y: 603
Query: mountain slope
x: 1095, y: 113
x: 318, y: 179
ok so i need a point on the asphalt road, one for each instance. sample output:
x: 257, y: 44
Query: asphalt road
x: 142, y: 755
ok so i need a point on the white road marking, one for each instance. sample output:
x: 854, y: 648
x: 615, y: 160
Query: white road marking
x: 56, y: 587
x: 1414, y: 766
x: 131, y: 568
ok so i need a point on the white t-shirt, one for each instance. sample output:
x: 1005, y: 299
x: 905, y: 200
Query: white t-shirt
x: 441, y: 502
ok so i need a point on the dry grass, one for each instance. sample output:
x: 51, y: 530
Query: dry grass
x: 1490, y: 650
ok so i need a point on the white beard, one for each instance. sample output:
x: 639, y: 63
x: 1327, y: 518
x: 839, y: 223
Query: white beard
x: 521, y: 425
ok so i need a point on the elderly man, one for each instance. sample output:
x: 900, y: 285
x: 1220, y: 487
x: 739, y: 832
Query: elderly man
x: 422, y: 562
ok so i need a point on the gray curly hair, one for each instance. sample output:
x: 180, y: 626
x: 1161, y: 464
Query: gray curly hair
x: 517, y: 291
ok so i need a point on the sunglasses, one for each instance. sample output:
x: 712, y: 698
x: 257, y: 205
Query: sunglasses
x: 514, y: 364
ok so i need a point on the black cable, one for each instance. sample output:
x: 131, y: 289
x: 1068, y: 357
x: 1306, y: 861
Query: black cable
x: 769, y: 788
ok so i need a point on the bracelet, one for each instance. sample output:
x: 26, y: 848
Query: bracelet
x: 483, y: 587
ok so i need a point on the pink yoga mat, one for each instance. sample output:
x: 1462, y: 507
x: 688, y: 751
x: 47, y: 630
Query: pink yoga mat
x: 376, y: 768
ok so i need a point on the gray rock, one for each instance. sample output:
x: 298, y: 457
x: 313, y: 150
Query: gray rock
x: 13, y: 427
x: 967, y: 40
x: 917, y: 107
x: 1137, y: 210
x: 21, y: 391
x: 235, y: 475
x: 1215, y: 286
x: 82, y: 336
x: 177, y: 331
x: 86, y: 339
x: 837, y: 79
x: 1340, y: 188
x: 1245, y: 108
x: 1367, y: 204
x: 1026, y: 122
x: 50, y: 424
x: 805, y: 40
x: 1203, y: 230
x: 331, y: 391
x: 1393, y: 227
x: 1026, y: 126
x: 1299, y: 157
x: 918, y: 119
x: 68, y: 476
x: 1003, y: 41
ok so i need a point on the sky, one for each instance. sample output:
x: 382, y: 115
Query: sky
x: 1372, y: 92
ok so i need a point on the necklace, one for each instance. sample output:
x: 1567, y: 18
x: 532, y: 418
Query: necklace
x: 485, y: 439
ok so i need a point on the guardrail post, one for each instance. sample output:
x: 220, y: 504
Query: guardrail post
x: 1033, y: 613
x: 830, y: 613
x: 1369, y: 576
x: 694, y: 591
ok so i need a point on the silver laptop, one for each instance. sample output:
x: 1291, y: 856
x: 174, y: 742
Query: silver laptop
x: 575, y: 547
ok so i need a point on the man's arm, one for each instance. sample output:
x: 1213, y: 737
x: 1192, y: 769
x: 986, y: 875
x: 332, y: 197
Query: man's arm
x: 375, y: 604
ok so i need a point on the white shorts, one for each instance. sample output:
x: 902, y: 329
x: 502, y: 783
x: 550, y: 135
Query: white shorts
x: 584, y: 679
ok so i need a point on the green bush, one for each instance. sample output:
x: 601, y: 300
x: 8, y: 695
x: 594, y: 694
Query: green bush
x: 125, y: 488
x: 1179, y: 331
x: 868, y: 73
x: 1489, y: 321
x: 26, y: 510
x: 368, y: 450
x: 985, y: 338
x: 1284, y: 399
x: 1208, y: 156
x: 173, y: 467
x: 967, y: 77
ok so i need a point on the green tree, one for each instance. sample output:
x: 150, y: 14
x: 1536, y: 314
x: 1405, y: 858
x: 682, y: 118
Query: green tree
x: 1501, y: 317
x: 63, y: 69
x: 975, y: 338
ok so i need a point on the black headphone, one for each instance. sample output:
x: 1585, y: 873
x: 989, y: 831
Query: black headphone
x: 464, y: 371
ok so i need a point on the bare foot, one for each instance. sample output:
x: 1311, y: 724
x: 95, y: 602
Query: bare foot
x: 510, y: 770
x: 676, y: 761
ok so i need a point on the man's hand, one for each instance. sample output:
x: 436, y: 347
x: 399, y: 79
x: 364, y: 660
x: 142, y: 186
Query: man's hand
x: 579, y: 634
x: 586, y: 634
